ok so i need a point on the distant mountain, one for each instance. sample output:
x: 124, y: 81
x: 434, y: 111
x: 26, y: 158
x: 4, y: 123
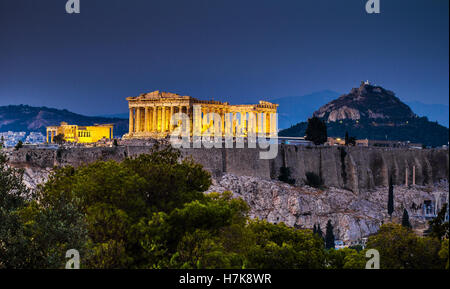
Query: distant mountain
x: 375, y: 113
x: 27, y: 118
x: 434, y: 112
x: 366, y: 102
x: 295, y: 109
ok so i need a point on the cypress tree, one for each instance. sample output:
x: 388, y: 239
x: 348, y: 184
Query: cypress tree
x: 316, y: 131
x: 314, y: 229
x: 329, y: 237
x: 346, y: 138
x: 391, y: 198
x: 405, y: 219
x: 319, y: 231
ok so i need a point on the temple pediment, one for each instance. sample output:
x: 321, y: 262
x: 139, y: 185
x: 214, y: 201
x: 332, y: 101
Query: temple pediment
x: 159, y: 95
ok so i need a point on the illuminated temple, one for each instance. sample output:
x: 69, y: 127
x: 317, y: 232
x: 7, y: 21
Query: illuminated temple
x: 80, y: 134
x: 151, y: 115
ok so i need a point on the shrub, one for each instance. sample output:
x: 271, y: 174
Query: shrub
x: 313, y: 180
x: 285, y: 176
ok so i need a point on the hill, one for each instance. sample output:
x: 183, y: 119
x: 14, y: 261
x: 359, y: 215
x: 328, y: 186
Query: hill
x: 375, y: 113
x: 27, y: 118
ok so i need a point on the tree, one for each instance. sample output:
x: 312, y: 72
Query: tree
x: 390, y: 206
x: 355, y: 260
x: 59, y: 139
x: 338, y: 259
x: 278, y: 246
x: 19, y: 145
x: 316, y: 131
x: 12, y: 236
x: 405, y: 219
x: 352, y: 141
x: 115, y: 142
x: 346, y: 138
x: 329, y: 236
x: 285, y: 176
x: 401, y: 248
x: 31, y: 235
x: 313, y: 180
x: 320, y: 232
x: 139, y: 212
x: 439, y: 228
x: 443, y: 253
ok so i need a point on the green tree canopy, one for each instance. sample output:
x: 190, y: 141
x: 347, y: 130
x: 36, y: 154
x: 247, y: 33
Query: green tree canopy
x: 401, y: 248
x: 439, y: 227
x: 316, y: 131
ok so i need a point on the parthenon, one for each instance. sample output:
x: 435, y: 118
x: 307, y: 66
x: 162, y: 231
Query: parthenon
x: 151, y: 115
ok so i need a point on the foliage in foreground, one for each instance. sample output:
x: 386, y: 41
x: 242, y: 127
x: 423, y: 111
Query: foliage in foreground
x: 150, y: 212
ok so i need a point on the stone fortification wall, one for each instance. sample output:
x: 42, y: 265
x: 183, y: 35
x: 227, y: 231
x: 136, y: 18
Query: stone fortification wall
x: 353, y: 168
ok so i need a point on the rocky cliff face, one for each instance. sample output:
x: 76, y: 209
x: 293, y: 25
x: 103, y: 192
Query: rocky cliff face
x: 353, y: 216
x: 366, y: 102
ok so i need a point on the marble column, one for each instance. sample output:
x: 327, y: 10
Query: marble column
x: 234, y: 121
x: 154, y: 119
x: 180, y: 108
x: 211, y: 120
x: 163, y: 118
x: 146, y: 119
x: 267, y: 123
x: 222, y: 119
x: 138, y: 119
x: 244, y: 122
x: 273, y: 125
x: 131, y: 121
x: 171, y: 124
x: 254, y: 122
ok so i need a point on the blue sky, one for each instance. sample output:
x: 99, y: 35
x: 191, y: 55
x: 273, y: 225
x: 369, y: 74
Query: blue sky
x: 234, y: 50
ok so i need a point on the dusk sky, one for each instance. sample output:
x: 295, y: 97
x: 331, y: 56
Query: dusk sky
x: 235, y: 50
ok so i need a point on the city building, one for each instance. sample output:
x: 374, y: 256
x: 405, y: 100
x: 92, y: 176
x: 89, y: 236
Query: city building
x: 331, y: 141
x: 374, y: 143
x: 296, y: 141
x: 80, y: 134
x: 151, y: 115
x: 35, y: 138
x: 11, y: 138
x: 388, y: 143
